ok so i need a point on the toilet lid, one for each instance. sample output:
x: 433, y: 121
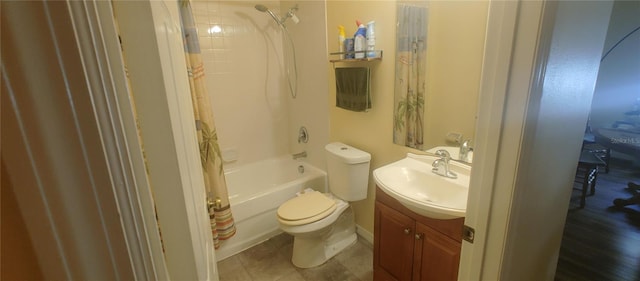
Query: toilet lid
x: 306, y: 208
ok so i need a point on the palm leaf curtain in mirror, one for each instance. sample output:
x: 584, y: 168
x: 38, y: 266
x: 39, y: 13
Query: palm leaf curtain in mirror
x: 221, y: 219
x: 410, y: 82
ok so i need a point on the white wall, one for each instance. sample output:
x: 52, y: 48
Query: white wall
x: 246, y: 78
x: 311, y: 107
x: 618, y: 84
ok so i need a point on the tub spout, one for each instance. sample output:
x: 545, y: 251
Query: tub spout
x: 300, y: 155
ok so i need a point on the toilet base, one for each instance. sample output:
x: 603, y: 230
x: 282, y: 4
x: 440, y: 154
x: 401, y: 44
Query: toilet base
x: 313, y: 251
x: 312, y: 254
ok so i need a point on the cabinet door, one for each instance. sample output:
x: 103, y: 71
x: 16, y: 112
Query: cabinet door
x: 437, y: 256
x: 393, y: 244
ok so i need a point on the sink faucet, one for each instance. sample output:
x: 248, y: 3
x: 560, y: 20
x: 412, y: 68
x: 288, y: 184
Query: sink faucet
x: 441, y: 166
x: 299, y: 155
x: 465, y: 147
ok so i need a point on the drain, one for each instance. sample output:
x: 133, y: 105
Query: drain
x: 301, y: 169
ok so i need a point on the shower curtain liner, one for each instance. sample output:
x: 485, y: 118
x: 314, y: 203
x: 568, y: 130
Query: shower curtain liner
x: 221, y: 219
x: 410, y: 72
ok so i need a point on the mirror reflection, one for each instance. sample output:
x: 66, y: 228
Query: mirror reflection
x: 439, y: 52
x: 410, y: 78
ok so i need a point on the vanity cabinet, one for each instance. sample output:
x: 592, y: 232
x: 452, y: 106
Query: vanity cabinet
x: 408, y: 246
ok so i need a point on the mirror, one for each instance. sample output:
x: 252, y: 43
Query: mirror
x: 438, y: 59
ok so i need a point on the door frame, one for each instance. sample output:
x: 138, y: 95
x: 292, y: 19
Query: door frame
x: 151, y: 38
x: 75, y: 158
x: 70, y: 155
x: 96, y: 35
x: 499, y: 44
x: 525, y: 158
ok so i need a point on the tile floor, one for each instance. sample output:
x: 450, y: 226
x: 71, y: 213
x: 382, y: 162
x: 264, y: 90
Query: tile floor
x: 271, y: 260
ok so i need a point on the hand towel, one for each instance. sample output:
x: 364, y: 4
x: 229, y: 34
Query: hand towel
x: 352, y: 88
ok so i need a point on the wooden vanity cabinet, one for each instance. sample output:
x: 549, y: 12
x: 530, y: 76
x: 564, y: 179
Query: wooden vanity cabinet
x: 408, y: 246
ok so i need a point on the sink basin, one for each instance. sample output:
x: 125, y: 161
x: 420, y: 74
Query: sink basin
x: 411, y: 182
x: 454, y: 151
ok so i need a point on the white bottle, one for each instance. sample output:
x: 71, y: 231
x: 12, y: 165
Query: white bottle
x: 360, y: 41
x: 371, y: 40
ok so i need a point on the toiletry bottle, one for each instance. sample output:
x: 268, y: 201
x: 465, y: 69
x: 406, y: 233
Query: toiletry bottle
x: 348, y: 48
x: 359, y: 40
x: 371, y: 39
x: 341, y: 40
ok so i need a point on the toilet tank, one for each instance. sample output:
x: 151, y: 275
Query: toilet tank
x: 348, y: 171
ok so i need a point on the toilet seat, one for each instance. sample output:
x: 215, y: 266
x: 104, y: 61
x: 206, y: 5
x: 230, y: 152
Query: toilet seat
x: 306, y: 208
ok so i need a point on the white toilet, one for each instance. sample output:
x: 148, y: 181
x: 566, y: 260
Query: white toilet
x: 323, y: 224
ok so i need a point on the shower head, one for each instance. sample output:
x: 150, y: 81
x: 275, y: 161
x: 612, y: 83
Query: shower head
x: 264, y: 9
x: 261, y: 8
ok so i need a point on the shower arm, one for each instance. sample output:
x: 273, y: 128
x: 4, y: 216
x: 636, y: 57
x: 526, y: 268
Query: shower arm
x: 291, y: 14
x: 275, y: 17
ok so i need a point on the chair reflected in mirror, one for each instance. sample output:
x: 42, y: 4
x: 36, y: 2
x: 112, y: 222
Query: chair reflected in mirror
x: 589, y: 143
x: 587, y: 173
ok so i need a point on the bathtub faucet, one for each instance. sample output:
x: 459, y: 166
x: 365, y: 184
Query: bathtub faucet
x: 300, y: 155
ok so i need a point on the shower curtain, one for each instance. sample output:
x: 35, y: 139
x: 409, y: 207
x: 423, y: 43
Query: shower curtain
x: 410, y: 85
x: 221, y: 219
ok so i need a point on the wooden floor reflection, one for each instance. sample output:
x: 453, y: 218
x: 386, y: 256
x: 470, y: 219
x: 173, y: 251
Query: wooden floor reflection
x: 601, y: 242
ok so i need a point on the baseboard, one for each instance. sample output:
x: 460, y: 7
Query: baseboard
x: 364, y: 234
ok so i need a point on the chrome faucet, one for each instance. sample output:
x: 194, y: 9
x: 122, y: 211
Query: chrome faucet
x: 441, y: 166
x: 465, y: 147
x: 303, y: 135
x: 299, y: 155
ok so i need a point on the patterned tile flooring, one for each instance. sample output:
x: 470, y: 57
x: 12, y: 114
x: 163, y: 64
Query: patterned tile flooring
x: 271, y: 260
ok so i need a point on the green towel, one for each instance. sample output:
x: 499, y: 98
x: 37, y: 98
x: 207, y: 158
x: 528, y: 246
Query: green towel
x: 352, y: 88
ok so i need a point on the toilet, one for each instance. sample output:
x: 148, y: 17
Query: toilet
x: 323, y: 224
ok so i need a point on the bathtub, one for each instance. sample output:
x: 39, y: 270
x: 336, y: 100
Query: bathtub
x: 256, y: 191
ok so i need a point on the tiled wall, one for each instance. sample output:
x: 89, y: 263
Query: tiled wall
x: 242, y: 52
x: 246, y: 78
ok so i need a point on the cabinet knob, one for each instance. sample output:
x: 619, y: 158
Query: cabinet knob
x: 407, y: 230
x: 419, y: 236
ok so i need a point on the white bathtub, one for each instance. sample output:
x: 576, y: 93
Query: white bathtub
x: 256, y: 191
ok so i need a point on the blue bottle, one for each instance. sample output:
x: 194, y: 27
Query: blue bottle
x: 360, y: 40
